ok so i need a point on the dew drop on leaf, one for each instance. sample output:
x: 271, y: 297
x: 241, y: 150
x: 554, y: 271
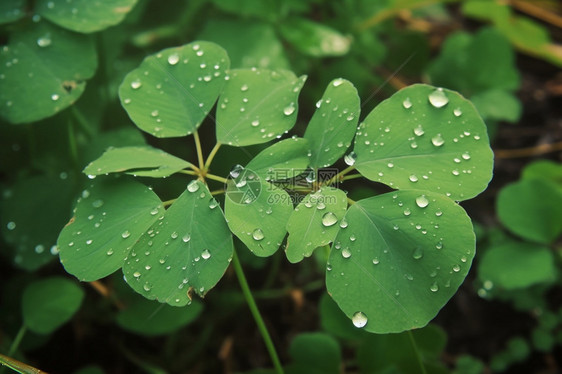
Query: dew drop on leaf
x: 422, y: 201
x: 466, y: 156
x: 337, y: 82
x: 350, y: 158
x: 236, y: 170
x: 136, y: 274
x: 413, y: 178
x: 457, y: 112
x: 205, y: 255
x: 417, y: 253
x: 173, y: 59
x: 255, y: 123
x: 329, y: 219
x: 438, y: 98
x: 213, y: 203
x: 376, y: 261
x: 407, y: 212
x: 44, y: 41
x: 257, y: 234
x: 289, y: 110
x: 359, y: 319
x: 193, y: 186
x: 434, y: 287
x: 418, y: 130
x: 343, y: 223
x: 125, y: 234
x: 186, y: 238
x: 407, y: 103
x: 437, y: 140
x: 136, y: 84
x: 346, y: 253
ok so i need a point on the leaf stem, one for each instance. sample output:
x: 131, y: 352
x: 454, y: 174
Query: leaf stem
x: 340, y: 175
x: 417, y: 352
x: 189, y: 172
x: 352, y: 176
x: 256, y: 313
x: 7, y: 360
x: 217, y: 192
x: 82, y: 121
x: 168, y: 202
x: 17, y: 340
x: 212, y: 155
x: 18, y: 366
x: 199, y: 150
x: 216, y: 178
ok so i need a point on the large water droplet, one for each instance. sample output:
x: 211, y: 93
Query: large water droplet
x: 407, y: 212
x: 136, y: 84
x: 125, y: 234
x: 466, y: 156
x: 346, y: 253
x: 258, y: 234
x: 422, y: 201
x: 186, y: 238
x: 438, y: 98
x: 337, y: 82
x: 193, y: 186
x: 329, y: 219
x: 407, y: 103
x: 343, y: 223
x: 205, y: 255
x: 437, y: 140
x: 417, y: 253
x: 173, y: 59
x: 359, y: 319
x: 350, y: 158
x: 376, y: 261
x: 413, y: 178
x: 418, y: 130
x: 236, y: 170
x: 289, y: 110
x: 434, y: 287
x: 457, y: 112
x: 136, y: 274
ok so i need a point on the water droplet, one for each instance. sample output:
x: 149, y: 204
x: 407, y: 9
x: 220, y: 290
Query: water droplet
x: 193, y: 186
x: 44, y: 41
x: 456, y: 268
x: 54, y: 250
x: 376, y: 261
x: 11, y: 225
x: 255, y: 123
x: 125, y: 234
x: 329, y: 219
x: 390, y: 165
x: 174, y: 235
x: 146, y: 287
x: 359, y: 319
x: 466, y: 156
x: 89, y: 241
x: 337, y: 82
x: 434, y: 287
x: 350, y: 158
x: 244, y: 88
x: 186, y: 238
x: 109, y: 252
x: 346, y: 253
x: 136, y: 84
x: 154, y: 113
x: 352, y: 238
x: 407, y: 103
x: 205, y: 255
x: 97, y: 204
x: 39, y: 248
x: 136, y: 274
x: 417, y: 253
x: 173, y: 59
x: 413, y: 145
x: 418, y: 130
x: 455, y: 172
x: 258, y: 234
x: 213, y: 203
x: 343, y: 223
x: 439, y: 245
x: 236, y: 170
x: 437, y: 140
x: 407, y: 212
x: 422, y: 201
x: 457, y: 112
x: 289, y: 110
x: 55, y: 97
x: 438, y: 98
x: 413, y: 178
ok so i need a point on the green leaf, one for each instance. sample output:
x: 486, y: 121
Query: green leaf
x: 172, y: 91
x: 248, y: 45
x: 315, y: 222
x: 33, y: 211
x: 188, y: 250
x: 314, y: 353
x: 109, y: 219
x: 11, y: 10
x: 399, y: 248
x: 335, y: 322
x: 314, y: 39
x: 282, y: 160
x: 428, y: 139
x: 139, y: 161
x: 85, y: 16
x: 148, y: 318
x: 42, y: 71
x: 473, y: 64
x: 257, y: 106
x: 517, y: 265
x: 333, y: 124
x: 546, y: 170
x: 49, y: 303
x: 259, y: 218
x: 498, y: 105
x: 526, y: 208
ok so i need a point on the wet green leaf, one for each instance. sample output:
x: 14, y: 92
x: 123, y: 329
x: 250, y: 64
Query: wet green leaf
x: 335, y: 322
x: 315, y: 222
x: 186, y: 252
x: 282, y: 160
x: 146, y: 317
x: 11, y: 10
x: 49, y: 303
x: 314, y: 39
x: 428, y: 139
x: 333, y: 124
x: 172, y: 91
x: 139, y: 161
x: 257, y: 105
x: 398, y: 248
x: 516, y: 265
x: 259, y: 219
x: 42, y: 71
x: 526, y: 209
x: 109, y: 219
x: 85, y: 16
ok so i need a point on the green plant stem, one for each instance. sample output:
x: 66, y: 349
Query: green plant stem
x: 217, y: 192
x: 212, y: 155
x: 5, y: 360
x: 256, y: 313
x: 168, y: 202
x: 17, y: 340
x: 18, y: 366
x: 82, y: 121
x: 350, y: 202
x: 417, y: 352
x: 340, y: 175
x: 199, y: 150
x: 216, y: 178
x: 189, y: 172
x: 348, y: 177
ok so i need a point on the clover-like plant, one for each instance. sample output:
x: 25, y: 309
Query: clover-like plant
x: 395, y: 258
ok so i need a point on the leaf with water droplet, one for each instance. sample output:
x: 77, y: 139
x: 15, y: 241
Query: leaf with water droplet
x: 269, y: 98
x: 440, y: 138
x: 49, y: 303
x: 116, y: 225
x: 83, y: 15
x: 178, y: 91
x: 282, y: 160
x: 333, y: 124
x: 310, y: 227
x: 314, y: 39
x: 183, y: 268
x: 28, y: 95
x: 408, y: 250
x: 139, y: 161
x: 261, y: 232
